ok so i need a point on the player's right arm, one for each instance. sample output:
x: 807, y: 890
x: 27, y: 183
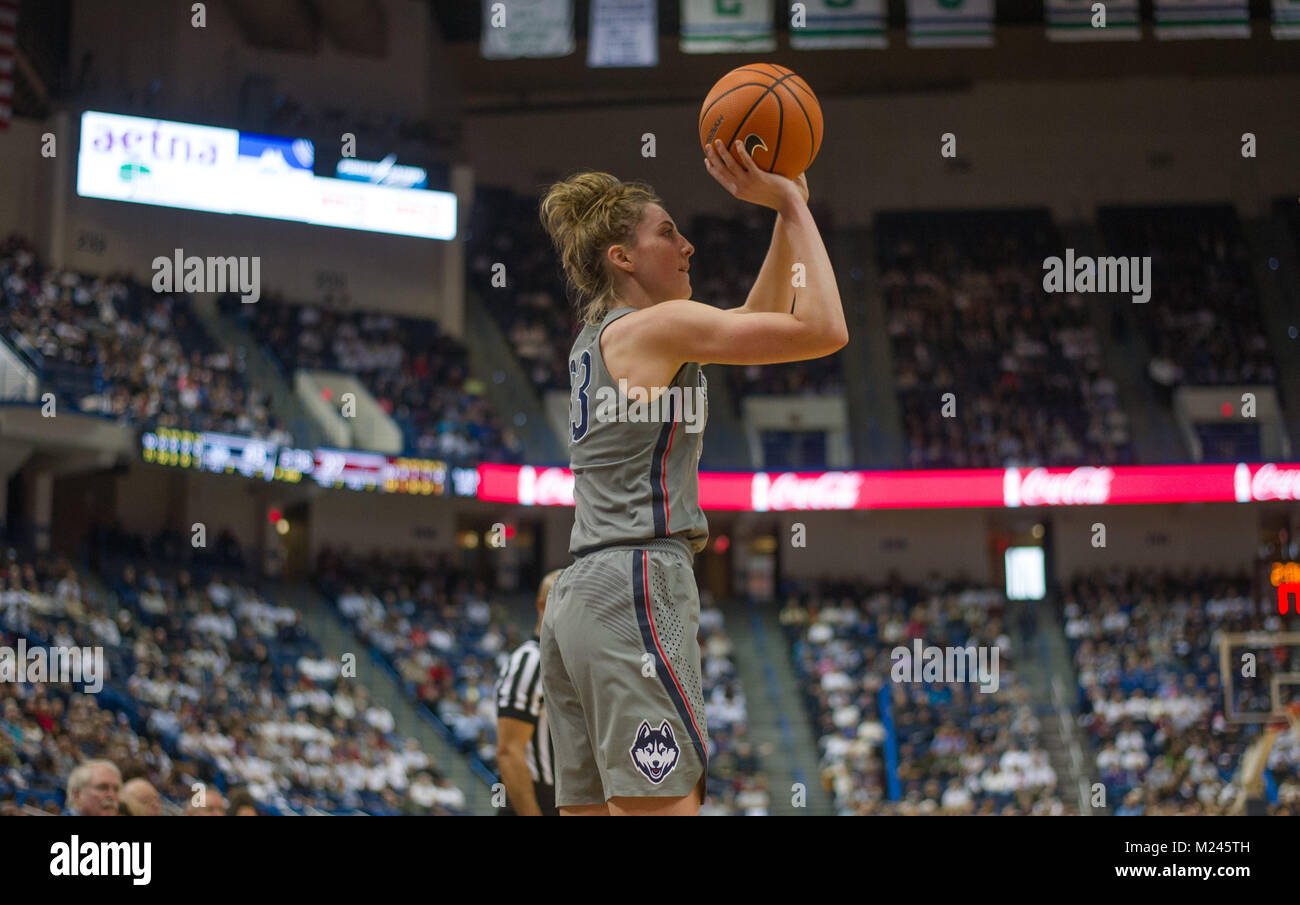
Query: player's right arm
x: 681, y: 330
x: 512, y: 741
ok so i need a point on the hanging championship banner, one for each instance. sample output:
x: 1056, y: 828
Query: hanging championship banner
x: 1286, y: 18
x: 837, y: 24
x: 1076, y: 20
x: 1190, y: 19
x: 623, y: 33
x: 727, y: 26
x: 950, y: 23
x: 527, y: 28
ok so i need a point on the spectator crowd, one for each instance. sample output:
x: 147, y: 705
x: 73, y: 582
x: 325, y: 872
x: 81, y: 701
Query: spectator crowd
x: 968, y: 316
x: 903, y: 747
x: 417, y: 374
x: 208, y: 682
x: 112, y: 346
x: 1146, y: 649
x: 1203, y: 323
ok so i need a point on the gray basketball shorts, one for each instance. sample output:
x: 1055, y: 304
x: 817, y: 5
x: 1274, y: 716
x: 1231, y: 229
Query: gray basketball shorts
x: 621, y: 675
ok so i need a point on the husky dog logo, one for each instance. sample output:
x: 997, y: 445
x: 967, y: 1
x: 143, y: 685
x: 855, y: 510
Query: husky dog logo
x: 655, y: 752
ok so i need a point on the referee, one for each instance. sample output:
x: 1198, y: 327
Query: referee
x: 524, y: 751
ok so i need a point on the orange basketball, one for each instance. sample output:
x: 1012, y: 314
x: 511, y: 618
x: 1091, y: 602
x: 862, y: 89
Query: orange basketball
x: 771, y: 110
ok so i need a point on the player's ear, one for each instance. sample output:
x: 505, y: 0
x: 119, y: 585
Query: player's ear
x: 617, y: 256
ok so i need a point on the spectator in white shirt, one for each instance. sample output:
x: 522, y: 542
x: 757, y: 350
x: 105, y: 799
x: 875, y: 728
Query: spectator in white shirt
x: 380, y: 718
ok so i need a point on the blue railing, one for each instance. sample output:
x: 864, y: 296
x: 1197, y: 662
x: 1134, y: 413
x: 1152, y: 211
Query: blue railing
x: 891, y: 744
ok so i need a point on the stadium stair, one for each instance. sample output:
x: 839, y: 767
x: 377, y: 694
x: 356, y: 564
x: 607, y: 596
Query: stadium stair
x: 777, y: 721
x: 1045, y: 668
x: 261, y: 371
x: 875, y: 420
x: 1279, y: 303
x: 508, y: 387
x: 323, y: 624
x: 1124, y: 356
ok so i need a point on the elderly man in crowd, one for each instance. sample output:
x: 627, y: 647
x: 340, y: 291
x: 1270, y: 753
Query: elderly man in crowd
x: 93, y: 789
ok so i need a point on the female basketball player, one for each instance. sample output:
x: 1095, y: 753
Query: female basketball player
x: 620, y: 660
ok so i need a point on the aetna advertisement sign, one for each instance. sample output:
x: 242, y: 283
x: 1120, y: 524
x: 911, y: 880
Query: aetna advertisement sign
x: 206, y: 168
x: 151, y: 161
x: 939, y: 489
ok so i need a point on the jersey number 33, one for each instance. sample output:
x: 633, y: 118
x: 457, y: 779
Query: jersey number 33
x: 579, y: 405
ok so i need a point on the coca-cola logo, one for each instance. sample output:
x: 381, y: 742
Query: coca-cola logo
x: 829, y: 490
x: 545, y: 486
x: 1273, y: 483
x: 1082, y: 486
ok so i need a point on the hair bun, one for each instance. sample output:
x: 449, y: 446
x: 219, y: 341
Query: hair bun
x: 584, y: 215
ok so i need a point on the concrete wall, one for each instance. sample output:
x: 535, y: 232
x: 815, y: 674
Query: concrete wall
x: 1066, y: 145
x: 25, y: 179
x: 149, y: 498
x: 204, y: 68
x: 1209, y: 535
x: 364, y: 522
x: 872, y: 544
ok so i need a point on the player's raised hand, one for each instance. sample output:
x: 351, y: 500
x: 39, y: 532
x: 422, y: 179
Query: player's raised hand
x: 802, y: 182
x: 736, y: 172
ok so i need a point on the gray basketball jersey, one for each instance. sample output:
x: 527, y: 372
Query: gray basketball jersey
x: 635, y: 466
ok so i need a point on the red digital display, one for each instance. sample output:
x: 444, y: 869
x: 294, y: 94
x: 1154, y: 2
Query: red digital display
x: 942, y: 489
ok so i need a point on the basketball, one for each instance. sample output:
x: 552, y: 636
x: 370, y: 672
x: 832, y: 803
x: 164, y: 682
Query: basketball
x: 772, y: 110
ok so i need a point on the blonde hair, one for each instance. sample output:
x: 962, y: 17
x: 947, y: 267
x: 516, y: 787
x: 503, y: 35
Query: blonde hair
x: 584, y: 215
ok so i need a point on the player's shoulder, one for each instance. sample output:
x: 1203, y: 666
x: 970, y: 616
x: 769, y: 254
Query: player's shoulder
x: 666, y: 319
x: 660, y: 310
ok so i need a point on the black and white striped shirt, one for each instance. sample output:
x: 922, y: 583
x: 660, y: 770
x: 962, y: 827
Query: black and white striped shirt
x: 519, y: 696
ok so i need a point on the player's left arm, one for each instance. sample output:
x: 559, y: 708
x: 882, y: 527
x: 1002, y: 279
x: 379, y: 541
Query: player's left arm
x: 773, y: 290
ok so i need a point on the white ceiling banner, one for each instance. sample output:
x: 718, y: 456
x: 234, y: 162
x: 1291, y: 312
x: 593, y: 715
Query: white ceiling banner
x: 513, y: 29
x: 1075, y: 20
x: 727, y: 26
x: 839, y: 24
x: 1193, y: 19
x: 950, y: 23
x: 623, y: 33
x: 1286, y: 19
